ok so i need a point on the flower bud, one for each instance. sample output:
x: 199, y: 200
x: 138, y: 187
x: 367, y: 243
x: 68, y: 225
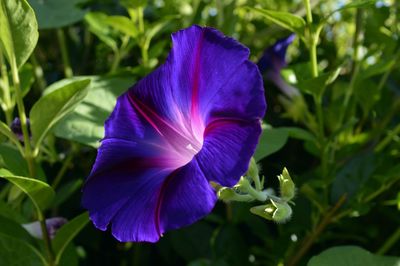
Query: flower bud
x: 16, y: 128
x: 253, y: 169
x: 287, y: 187
x: 276, y: 211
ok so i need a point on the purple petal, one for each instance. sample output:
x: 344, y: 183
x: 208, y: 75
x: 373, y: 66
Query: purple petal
x: 193, y: 120
x: 273, y: 58
x: 188, y: 197
x: 227, y: 149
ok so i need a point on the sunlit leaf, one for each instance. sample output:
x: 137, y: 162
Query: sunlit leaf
x: 57, y: 13
x: 86, y: 124
x: 284, y: 19
x: 18, y: 31
x: 52, y: 107
x: 39, y: 192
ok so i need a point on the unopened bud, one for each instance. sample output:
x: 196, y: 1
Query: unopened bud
x: 253, y: 168
x: 287, y: 187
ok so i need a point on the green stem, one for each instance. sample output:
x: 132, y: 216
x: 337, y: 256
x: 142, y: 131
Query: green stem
x: 389, y: 243
x: 312, y: 45
x: 64, y: 53
x: 120, y: 53
x: 28, y: 151
x: 312, y: 40
x: 22, y: 117
x: 116, y: 61
x: 310, y: 239
x: 8, y: 106
x: 140, y: 19
x: 307, y: 6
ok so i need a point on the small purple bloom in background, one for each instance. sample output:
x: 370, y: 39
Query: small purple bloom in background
x: 52, y: 224
x: 273, y: 60
x: 193, y: 120
x: 17, y: 130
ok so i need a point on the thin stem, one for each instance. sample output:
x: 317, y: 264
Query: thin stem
x: 46, y: 239
x: 28, y: 152
x: 389, y: 243
x: 140, y: 19
x: 310, y: 239
x: 116, y: 61
x: 308, y: 11
x: 22, y: 117
x: 64, y: 53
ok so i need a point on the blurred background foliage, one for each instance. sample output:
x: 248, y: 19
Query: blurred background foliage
x: 340, y: 140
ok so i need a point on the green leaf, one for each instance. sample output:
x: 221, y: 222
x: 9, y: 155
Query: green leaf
x: 351, y: 256
x: 7, y: 211
x: 67, y: 232
x: 15, y: 252
x: 299, y: 133
x: 123, y: 24
x: 13, y: 160
x: 284, y: 19
x: 86, y: 123
x: 16, y: 163
x: 52, y: 107
x: 98, y: 25
x: 271, y: 141
x: 70, y: 256
x: 316, y: 86
x: 13, y: 229
x: 153, y: 30
x: 378, y: 68
x: 39, y: 192
x: 18, y: 31
x: 57, y: 13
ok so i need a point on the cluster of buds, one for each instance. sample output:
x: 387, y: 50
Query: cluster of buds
x: 251, y: 188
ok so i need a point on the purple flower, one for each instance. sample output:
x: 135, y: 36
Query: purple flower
x: 193, y: 120
x: 17, y: 129
x: 52, y: 224
x: 273, y: 60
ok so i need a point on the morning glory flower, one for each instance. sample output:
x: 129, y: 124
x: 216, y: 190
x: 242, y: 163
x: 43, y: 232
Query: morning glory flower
x: 194, y: 120
x: 272, y: 62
